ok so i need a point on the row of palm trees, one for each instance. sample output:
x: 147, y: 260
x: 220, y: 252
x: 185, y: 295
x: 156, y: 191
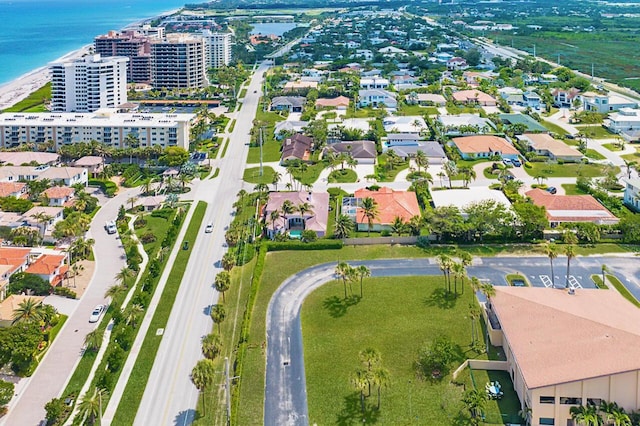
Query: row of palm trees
x: 372, y: 373
x: 607, y: 413
x: 349, y: 274
x: 552, y: 251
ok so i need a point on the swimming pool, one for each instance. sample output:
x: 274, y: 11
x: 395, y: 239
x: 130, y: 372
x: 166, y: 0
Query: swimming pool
x: 295, y: 233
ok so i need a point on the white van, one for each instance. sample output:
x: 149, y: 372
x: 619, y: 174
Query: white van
x: 110, y: 226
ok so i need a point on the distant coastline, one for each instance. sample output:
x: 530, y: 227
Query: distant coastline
x: 21, y: 87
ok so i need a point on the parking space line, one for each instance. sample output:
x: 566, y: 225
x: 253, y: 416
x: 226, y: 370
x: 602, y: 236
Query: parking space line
x: 546, y: 280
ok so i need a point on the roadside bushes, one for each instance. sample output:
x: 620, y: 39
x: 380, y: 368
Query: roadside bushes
x: 65, y: 292
x: 299, y: 245
x: 107, y: 186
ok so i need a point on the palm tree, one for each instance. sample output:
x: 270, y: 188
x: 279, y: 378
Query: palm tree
x: 277, y: 176
x: 369, y: 211
x: 93, y: 340
x: 287, y: 208
x: 445, y: 263
x: 458, y: 272
x: 218, y: 314
x: 360, y: 380
x: 132, y: 315
x: 608, y: 408
x: 551, y: 250
x: 211, y: 345
x: 570, y: 252
x: 90, y: 406
x: 42, y: 218
x: 222, y: 282
x: 273, y: 217
x: 398, y: 225
x: 450, y: 169
x: 585, y: 415
x: 382, y: 379
x: 371, y: 358
x: 468, y: 174
x: 202, y: 376
x: 465, y: 260
x: 474, y: 315
x: 604, y: 270
x: 421, y: 160
x: 343, y: 226
x: 362, y: 272
x: 343, y: 270
x: 228, y: 261
x: 124, y: 276
x: 474, y: 400
x: 29, y: 310
x: 304, y: 208
x: 132, y: 201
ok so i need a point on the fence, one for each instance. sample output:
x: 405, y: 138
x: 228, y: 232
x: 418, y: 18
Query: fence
x: 379, y: 240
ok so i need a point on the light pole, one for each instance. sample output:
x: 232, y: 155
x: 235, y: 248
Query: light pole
x: 261, y: 127
x: 410, y: 407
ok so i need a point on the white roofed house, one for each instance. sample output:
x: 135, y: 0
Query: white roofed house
x: 374, y: 83
x: 413, y: 124
x: 377, y: 98
x: 632, y: 194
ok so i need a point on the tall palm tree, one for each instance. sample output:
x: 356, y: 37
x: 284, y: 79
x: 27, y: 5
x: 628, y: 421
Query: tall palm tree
x: 132, y: 201
x: 133, y: 314
x: 343, y: 270
x: 211, y: 345
x: 42, y: 218
x: 445, y: 263
x: 90, y: 406
x: 218, y: 314
x: 228, y: 261
x: 222, y: 282
x: 202, y: 377
x: 398, y: 225
x: 474, y: 315
x: 551, y: 250
x: 287, y: 209
x: 124, y: 276
x: 29, y: 310
x: 360, y: 380
x: 604, y: 269
x: 304, y: 208
x: 382, y: 379
x: 277, y: 177
x: 421, y: 160
x: 587, y: 416
x: 474, y: 400
x: 362, y: 272
x: 570, y: 252
x: 465, y: 260
x: 273, y: 217
x: 343, y: 226
x: 93, y: 340
x: 369, y: 211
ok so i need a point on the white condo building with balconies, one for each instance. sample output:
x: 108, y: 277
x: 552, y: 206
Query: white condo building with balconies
x: 217, y: 48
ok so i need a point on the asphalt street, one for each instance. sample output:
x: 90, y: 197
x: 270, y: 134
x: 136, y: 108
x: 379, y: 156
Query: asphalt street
x: 51, y: 377
x: 170, y: 397
x: 285, y: 386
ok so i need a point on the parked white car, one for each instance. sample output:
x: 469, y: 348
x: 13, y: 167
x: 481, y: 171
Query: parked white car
x: 97, y: 313
x: 209, y: 228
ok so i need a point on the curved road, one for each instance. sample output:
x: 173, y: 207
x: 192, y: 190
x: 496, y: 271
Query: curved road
x: 285, y: 400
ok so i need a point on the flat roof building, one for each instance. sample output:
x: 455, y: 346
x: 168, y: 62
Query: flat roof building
x: 178, y: 62
x: 132, y: 45
x: 217, y: 48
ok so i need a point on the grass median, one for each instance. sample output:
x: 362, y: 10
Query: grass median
x: 132, y: 395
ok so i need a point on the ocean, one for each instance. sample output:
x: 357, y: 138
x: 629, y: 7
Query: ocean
x: 36, y: 32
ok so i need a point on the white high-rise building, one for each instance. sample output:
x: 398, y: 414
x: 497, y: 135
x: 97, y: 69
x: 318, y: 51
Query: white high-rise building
x: 217, y: 48
x: 88, y: 84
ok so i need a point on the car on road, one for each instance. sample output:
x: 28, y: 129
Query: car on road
x: 507, y: 162
x: 209, y: 228
x: 97, y: 313
x: 552, y: 190
x: 110, y: 226
x: 516, y: 162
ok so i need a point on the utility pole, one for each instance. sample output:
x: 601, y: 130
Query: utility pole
x: 534, y: 50
x: 559, y: 59
x: 227, y: 388
x: 261, y: 127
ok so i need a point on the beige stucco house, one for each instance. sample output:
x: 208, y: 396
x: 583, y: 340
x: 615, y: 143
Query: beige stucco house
x: 565, y: 350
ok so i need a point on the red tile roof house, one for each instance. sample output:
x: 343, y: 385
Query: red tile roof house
x: 484, y: 146
x: 391, y: 204
x: 12, y: 260
x: 58, y: 196
x: 13, y: 189
x: 571, y: 208
x: 296, y: 147
x: 316, y: 219
x: 49, y: 267
x: 341, y: 102
x: 473, y: 97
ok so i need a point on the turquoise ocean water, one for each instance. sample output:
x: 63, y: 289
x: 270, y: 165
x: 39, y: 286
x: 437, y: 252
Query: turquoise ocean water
x: 36, y: 32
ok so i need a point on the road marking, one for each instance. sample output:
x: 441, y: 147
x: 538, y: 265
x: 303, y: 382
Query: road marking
x: 546, y: 280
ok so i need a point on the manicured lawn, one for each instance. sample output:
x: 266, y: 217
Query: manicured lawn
x: 343, y: 176
x: 595, y: 132
x: 271, y: 146
x: 386, y: 174
x: 553, y: 127
x: 517, y: 277
x: 594, y: 155
x: 362, y: 113
x: 622, y: 290
x: 612, y: 147
x: 132, y: 395
x: 311, y: 175
x: 155, y: 226
x: 487, y: 173
x: 572, y: 189
x: 270, y: 152
x: 397, y: 317
x: 252, y: 175
x: 597, y: 279
x: 500, y: 411
x: 632, y: 157
x: 34, y: 102
x: 565, y: 170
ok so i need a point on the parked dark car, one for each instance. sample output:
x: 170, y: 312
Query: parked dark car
x: 552, y: 190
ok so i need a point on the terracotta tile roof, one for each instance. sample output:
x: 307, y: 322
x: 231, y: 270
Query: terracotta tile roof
x: 558, y: 338
x: 11, y: 303
x: 484, y: 143
x: 316, y: 220
x: 13, y: 256
x: 473, y: 95
x: 545, y: 142
x: 391, y: 204
x: 46, y: 264
x: 59, y: 192
x: 11, y: 188
x: 335, y: 102
x: 571, y: 208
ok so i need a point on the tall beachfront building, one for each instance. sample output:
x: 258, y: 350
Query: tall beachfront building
x: 217, y: 48
x: 131, y: 44
x: 88, y: 84
x: 178, y: 62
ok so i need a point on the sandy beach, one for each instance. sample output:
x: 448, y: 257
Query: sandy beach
x: 23, y: 86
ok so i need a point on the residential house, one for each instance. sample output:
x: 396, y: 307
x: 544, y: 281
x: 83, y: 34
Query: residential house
x: 559, y: 355
x: 456, y: 63
x: 632, y: 194
x: 315, y: 219
x: 59, y: 196
x: 465, y: 124
x: 296, y: 147
x: 364, y: 152
x: 625, y: 121
x: 374, y: 83
x: 340, y: 103
x: 283, y: 128
x: 391, y: 51
x: 532, y: 100
x: 69, y: 176
x: 377, y: 98
x: 484, y: 146
x: 365, y: 54
x: 292, y: 86
x: 54, y: 215
x: 512, y: 95
x: 9, y: 305
x: 465, y: 198
x: 408, y: 149
x: 565, y: 98
x: 571, y: 208
x: 391, y: 204
x: 473, y: 97
x: 19, y: 158
x: 288, y: 103
x: 547, y: 78
x: 12, y: 260
x: 50, y: 267
x: 411, y: 124
x: 545, y: 145
x: 152, y: 203
x: 605, y: 103
x: 530, y: 125
x: 430, y: 99
x: 13, y: 189
x: 92, y: 163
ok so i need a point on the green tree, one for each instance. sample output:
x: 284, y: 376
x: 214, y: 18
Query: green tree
x: 343, y: 271
x: 90, y: 404
x: 202, y: 377
x: 362, y: 272
x: 435, y: 359
x: 531, y: 219
x: 174, y: 156
x: 93, y: 340
x: 124, y: 276
x: 421, y: 160
x: 23, y: 282
x: 474, y: 401
x: 133, y: 314
x: 222, y: 282
x: 55, y: 409
x: 445, y: 263
x: 211, y: 345
x: 370, y: 212
x: 551, y: 250
x: 381, y: 379
x: 360, y: 381
x: 114, y: 291
x: 6, y: 392
x: 29, y: 310
x: 343, y: 227
x: 228, y: 261
x: 218, y: 314
x: 570, y: 252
